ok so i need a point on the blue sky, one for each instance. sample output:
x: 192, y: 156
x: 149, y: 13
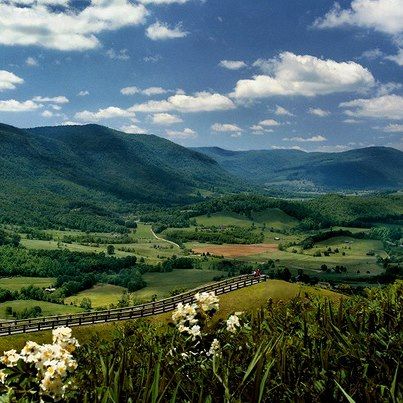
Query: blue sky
x: 259, y: 74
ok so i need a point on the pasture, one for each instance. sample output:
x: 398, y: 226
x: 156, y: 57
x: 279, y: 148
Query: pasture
x: 16, y: 283
x: 101, y: 295
x: 233, y: 250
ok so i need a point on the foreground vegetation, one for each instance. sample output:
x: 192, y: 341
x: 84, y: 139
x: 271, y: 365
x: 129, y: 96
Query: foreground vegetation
x: 307, y: 349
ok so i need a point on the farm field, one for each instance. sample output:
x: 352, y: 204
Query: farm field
x: 16, y: 283
x: 48, y: 308
x: 234, y: 250
x: 101, y: 295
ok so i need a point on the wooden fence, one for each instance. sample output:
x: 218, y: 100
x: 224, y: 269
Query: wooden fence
x: 112, y: 315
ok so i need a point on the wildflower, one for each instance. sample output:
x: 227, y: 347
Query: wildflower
x: 194, y: 331
x: 233, y: 323
x: 214, y: 348
x: 30, y: 352
x: 10, y: 358
x: 3, y: 376
x: 207, y: 301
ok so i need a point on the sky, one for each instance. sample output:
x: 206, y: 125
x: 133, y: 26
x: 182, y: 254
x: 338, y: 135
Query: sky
x: 313, y: 75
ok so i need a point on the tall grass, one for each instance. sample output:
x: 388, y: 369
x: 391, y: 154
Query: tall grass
x: 305, y: 350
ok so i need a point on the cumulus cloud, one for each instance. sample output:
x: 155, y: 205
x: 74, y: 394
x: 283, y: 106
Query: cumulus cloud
x: 313, y: 139
x: 386, y: 107
x: 269, y: 122
x: 39, y: 23
x: 31, y: 61
x: 304, y: 75
x: 12, y: 105
x: 199, y: 102
x: 165, y: 119
x: 397, y: 58
x: 55, y: 100
x: 133, y: 129
x: 160, y: 31
x: 83, y: 93
x: 8, y: 81
x: 280, y: 111
x: 225, y: 127
x: 107, y: 113
x: 393, y: 128
x: 382, y: 15
x: 184, y: 134
x: 232, y: 64
x: 318, y: 112
x: 147, y: 91
x: 372, y: 54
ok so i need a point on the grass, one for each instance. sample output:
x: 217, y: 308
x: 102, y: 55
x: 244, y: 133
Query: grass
x: 101, y: 295
x: 48, y: 308
x: 16, y: 283
x: 161, y: 284
x: 247, y: 299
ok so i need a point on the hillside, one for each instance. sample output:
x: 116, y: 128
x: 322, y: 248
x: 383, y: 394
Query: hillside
x: 84, y: 176
x: 372, y: 168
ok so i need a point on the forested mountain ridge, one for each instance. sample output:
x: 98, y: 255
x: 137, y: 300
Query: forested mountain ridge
x: 63, y: 175
x: 371, y: 168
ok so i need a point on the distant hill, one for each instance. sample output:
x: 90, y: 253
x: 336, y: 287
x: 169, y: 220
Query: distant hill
x: 372, y: 168
x: 85, y: 176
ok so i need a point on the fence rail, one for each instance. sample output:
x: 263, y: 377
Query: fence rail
x: 113, y: 315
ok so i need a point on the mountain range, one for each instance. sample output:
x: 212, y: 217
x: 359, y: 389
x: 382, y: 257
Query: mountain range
x: 371, y: 168
x: 90, y: 176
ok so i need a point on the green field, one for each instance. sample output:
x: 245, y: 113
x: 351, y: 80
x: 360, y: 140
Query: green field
x: 16, y: 283
x: 48, y: 308
x: 101, y: 295
x: 273, y: 217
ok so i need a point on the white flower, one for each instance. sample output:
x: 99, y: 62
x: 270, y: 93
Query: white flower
x: 214, y: 348
x: 10, y: 358
x: 194, y: 331
x: 207, y: 301
x: 3, y: 376
x: 233, y: 323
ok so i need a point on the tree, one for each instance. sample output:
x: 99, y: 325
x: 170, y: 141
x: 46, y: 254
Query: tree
x: 110, y: 250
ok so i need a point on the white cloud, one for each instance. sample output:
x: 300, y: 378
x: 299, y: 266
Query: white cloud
x: 232, y: 64
x: 269, y: 122
x: 393, y: 128
x: 160, y: 31
x: 199, y: 102
x: 147, y: 91
x: 387, y: 88
x: 372, y: 54
x: 133, y: 129
x: 332, y: 149
x: 304, y: 75
x: 68, y: 28
x: 71, y: 123
x: 8, y: 81
x: 280, y: 111
x: 56, y: 100
x: 107, y: 113
x: 121, y: 54
x: 157, y: 2
x: 398, y: 58
x: 152, y: 58
x: 31, y: 61
x: 83, y: 93
x: 165, y: 119
x: 382, y: 15
x: 318, y: 112
x: 313, y: 139
x: 351, y: 121
x: 184, y: 134
x: 12, y: 105
x: 47, y: 114
x: 386, y: 106
x: 225, y: 127
x: 56, y: 107
x: 287, y: 148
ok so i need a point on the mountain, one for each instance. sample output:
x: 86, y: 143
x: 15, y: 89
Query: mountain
x: 86, y: 176
x: 372, y: 168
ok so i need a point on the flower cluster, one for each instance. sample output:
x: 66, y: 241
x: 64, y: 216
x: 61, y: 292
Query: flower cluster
x: 51, y: 363
x: 207, y: 301
x: 187, y: 317
x: 233, y: 322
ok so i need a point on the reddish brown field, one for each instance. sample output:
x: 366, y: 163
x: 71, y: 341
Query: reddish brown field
x: 236, y: 250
